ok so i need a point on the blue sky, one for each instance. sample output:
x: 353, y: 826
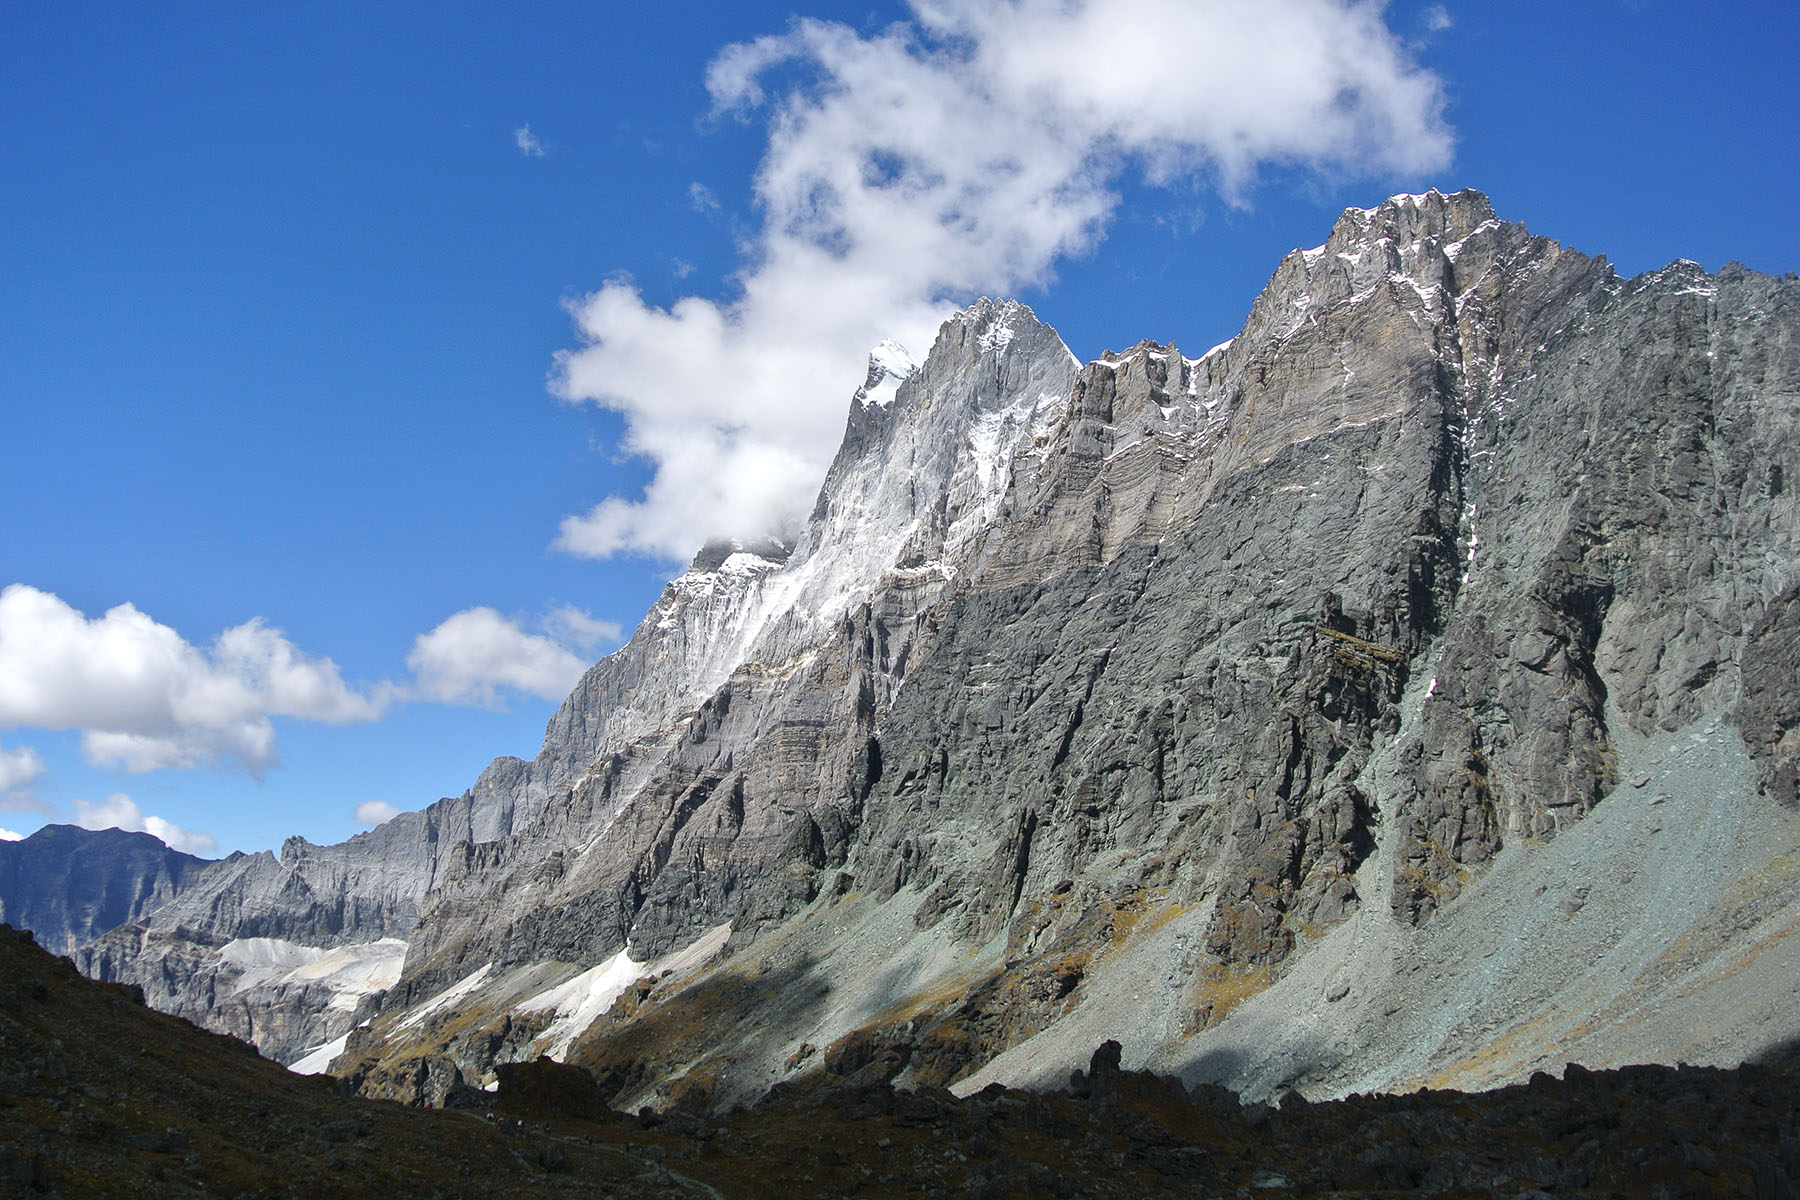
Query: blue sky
x: 332, y: 324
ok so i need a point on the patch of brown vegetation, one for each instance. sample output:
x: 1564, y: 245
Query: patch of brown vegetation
x: 1219, y: 987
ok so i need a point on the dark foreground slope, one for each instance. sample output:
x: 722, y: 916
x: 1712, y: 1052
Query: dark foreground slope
x: 100, y: 1096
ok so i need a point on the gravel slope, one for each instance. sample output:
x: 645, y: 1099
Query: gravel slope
x: 1657, y: 929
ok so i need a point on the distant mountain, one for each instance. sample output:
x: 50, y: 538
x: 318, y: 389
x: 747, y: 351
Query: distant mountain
x: 1400, y: 693
x: 68, y: 885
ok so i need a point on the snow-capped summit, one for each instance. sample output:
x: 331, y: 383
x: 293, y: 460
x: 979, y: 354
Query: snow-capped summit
x: 889, y: 366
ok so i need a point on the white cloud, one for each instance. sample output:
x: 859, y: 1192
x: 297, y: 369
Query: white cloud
x: 529, y: 144
x: 1437, y: 19
x: 375, y: 812
x: 119, y: 811
x: 573, y: 627
x: 701, y: 198
x: 965, y: 153
x: 475, y: 653
x: 144, y: 698
x: 19, y: 769
x: 7, y: 835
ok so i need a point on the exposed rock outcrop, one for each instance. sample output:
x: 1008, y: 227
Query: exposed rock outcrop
x: 1138, y: 689
x: 69, y: 885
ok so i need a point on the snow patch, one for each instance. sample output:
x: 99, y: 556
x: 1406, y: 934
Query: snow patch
x: 447, y: 997
x: 319, y: 1059
x: 582, y: 1001
x: 703, y: 948
x: 743, y: 562
x: 579, y: 1002
x: 263, y: 956
x: 1415, y: 199
x: 893, y: 358
x: 349, y: 972
x: 881, y: 393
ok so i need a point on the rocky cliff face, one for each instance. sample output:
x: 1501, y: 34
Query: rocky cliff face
x: 1198, y: 696
x: 315, y: 900
x: 69, y: 884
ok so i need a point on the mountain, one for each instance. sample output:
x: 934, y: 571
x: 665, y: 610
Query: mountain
x: 1402, y: 692
x: 69, y: 884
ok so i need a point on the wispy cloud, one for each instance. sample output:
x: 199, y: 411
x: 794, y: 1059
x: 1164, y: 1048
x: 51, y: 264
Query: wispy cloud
x: 1437, y: 19
x: 119, y: 811
x: 529, y: 144
x: 701, y: 199
x: 906, y: 172
x: 574, y: 627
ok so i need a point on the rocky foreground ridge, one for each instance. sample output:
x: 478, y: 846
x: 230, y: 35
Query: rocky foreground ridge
x: 186, y: 1113
x: 1406, y: 691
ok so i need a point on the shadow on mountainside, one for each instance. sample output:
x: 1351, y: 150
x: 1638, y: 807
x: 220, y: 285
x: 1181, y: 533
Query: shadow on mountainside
x: 101, y: 1097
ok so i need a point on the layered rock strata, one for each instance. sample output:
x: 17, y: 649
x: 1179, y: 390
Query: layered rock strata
x: 1255, y: 658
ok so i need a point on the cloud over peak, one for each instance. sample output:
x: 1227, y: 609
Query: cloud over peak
x: 119, y: 811
x: 965, y: 153
x: 375, y: 812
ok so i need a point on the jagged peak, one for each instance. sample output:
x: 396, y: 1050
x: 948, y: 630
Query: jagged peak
x: 893, y: 359
x: 1410, y: 240
x: 1468, y: 203
x: 994, y: 323
x: 1408, y: 218
x: 890, y: 365
x: 1145, y: 347
x: 1684, y: 276
x: 738, y: 553
x: 989, y: 308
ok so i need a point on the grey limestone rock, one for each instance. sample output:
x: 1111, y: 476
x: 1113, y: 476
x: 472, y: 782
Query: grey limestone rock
x: 1065, y: 644
x: 68, y: 885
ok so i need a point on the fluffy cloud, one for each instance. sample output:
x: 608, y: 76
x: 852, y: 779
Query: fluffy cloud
x: 119, y: 811
x: 144, y: 698
x: 19, y: 769
x: 528, y: 142
x: 475, y: 653
x: 374, y: 812
x: 7, y: 835
x: 966, y: 152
